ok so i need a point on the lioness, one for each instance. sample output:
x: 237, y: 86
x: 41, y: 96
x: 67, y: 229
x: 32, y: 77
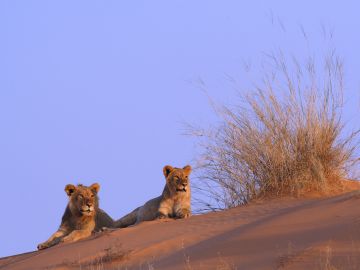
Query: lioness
x: 174, y: 201
x: 82, y: 216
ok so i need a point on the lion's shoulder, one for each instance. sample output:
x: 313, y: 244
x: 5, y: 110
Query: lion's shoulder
x: 102, y: 219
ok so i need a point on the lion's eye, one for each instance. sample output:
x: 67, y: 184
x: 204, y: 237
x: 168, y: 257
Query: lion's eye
x: 92, y: 195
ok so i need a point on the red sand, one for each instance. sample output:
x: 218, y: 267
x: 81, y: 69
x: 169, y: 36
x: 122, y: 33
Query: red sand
x: 278, y: 234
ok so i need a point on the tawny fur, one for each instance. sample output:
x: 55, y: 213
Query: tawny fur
x: 82, y: 216
x: 174, y: 202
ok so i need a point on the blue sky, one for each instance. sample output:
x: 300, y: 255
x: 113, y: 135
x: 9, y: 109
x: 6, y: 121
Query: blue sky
x: 97, y: 91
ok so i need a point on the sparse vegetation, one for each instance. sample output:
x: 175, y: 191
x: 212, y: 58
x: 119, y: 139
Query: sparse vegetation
x: 109, y: 255
x: 330, y: 261
x: 285, y: 137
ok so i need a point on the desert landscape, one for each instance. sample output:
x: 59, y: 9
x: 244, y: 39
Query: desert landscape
x: 179, y: 135
x: 287, y: 233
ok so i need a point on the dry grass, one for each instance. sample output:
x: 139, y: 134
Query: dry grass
x: 329, y: 259
x: 221, y: 264
x: 325, y: 260
x: 113, y: 254
x: 285, y: 137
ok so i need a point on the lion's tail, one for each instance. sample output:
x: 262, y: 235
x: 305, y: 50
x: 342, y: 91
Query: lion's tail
x: 127, y: 220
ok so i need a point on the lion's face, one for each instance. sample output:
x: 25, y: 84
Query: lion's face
x: 83, y: 200
x: 177, y: 179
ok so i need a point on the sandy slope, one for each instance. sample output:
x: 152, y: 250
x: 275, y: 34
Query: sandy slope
x: 280, y: 234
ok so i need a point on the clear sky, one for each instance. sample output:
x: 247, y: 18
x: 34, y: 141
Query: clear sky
x: 97, y: 91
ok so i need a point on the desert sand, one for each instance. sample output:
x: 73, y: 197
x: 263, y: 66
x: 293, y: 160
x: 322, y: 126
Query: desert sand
x: 287, y: 233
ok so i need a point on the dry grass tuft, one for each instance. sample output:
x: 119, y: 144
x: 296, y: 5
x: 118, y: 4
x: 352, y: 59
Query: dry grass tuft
x: 111, y: 255
x: 330, y: 261
x: 286, y: 137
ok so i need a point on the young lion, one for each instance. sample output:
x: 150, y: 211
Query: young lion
x: 174, y: 201
x: 82, y: 216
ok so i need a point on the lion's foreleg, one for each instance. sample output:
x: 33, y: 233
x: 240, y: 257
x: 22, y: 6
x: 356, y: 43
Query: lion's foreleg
x: 165, y: 210
x: 183, y: 213
x: 76, y: 235
x: 182, y: 210
x: 53, y: 240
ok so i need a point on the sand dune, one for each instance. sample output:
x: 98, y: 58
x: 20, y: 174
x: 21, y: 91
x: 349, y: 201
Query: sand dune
x: 278, y: 234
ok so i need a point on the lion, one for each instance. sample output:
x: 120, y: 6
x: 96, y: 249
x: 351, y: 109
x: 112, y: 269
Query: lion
x: 82, y: 216
x: 174, y: 201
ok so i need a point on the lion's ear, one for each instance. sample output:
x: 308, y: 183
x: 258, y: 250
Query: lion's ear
x: 187, y: 169
x: 95, y: 188
x: 167, y: 170
x: 69, y: 189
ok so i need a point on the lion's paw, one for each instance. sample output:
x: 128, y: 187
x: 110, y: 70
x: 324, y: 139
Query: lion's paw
x: 42, y: 246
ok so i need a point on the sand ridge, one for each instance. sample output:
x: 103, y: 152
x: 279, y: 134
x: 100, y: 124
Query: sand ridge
x: 277, y: 234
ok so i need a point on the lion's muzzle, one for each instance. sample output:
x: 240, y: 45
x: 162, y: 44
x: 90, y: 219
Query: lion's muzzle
x: 87, y: 210
x: 182, y: 188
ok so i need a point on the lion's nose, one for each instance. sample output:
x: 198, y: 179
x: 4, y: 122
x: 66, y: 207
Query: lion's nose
x: 88, y: 204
